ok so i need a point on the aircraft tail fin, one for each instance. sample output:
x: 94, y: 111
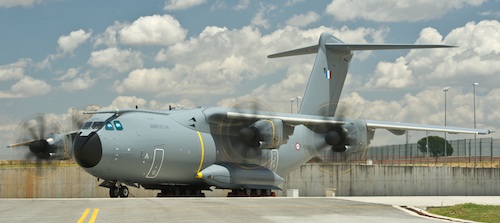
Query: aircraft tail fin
x: 330, y: 69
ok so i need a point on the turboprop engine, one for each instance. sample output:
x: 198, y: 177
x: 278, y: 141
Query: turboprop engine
x: 350, y: 137
x: 264, y: 134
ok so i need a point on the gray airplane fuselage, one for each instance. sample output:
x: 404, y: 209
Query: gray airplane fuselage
x: 172, y: 147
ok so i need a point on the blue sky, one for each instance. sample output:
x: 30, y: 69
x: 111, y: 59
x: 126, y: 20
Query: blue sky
x: 61, y: 54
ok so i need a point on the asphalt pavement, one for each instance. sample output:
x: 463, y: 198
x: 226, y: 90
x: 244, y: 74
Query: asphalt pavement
x: 241, y: 210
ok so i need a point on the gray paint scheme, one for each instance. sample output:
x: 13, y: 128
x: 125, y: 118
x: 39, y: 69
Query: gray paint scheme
x: 190, y: 148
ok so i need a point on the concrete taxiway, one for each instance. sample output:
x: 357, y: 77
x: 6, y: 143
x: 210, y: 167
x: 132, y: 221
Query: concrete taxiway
x: 339, y: 209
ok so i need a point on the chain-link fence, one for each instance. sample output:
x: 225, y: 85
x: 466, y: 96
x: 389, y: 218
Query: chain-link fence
x: 480, y: 152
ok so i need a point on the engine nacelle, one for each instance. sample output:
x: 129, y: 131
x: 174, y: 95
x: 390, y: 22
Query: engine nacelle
x: 338, y: 138
x: 264, y: 134
x: 350, y: 137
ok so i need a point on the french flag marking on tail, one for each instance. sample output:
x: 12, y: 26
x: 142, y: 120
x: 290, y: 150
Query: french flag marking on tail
x: 328, y: 74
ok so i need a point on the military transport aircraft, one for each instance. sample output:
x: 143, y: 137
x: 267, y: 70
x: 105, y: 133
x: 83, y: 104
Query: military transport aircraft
x: 183, y: 152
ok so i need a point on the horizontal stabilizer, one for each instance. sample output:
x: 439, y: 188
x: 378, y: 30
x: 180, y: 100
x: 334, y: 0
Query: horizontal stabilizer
x: 349, y: 47
x: 356, y: 47
x: 301, y: 51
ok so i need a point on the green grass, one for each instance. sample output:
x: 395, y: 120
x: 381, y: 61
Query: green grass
x: 469, y: 211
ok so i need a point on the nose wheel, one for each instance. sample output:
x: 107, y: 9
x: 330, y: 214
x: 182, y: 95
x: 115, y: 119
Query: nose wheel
x: 121, y: 191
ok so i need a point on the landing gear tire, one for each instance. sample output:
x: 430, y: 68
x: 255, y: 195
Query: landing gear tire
x: 114, y: 191
x: 248, y: 192
x: 258, y: 192
x: 268, y: 192
x: 124, y: 192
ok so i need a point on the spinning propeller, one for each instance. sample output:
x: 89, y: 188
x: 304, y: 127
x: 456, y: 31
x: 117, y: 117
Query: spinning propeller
x: 240, y: 140
x: 42, y: 141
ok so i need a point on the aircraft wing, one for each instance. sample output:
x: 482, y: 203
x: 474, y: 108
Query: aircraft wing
x: 396, y: 127
x: 298, y: 120
x: 254, y: 127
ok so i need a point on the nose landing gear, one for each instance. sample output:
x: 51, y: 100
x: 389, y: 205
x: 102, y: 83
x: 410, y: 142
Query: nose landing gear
x: 121, y: 191
x: 116, y: 188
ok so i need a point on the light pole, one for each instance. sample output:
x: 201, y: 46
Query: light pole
x: 291, y: 104
x: 445, y: 141
x: 474, y: 89
x: 298, y: 98
x: 475, y: 135
x: 427, y: 142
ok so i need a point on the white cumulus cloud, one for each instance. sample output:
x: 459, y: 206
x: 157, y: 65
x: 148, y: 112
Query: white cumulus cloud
x: 14, y: 71
x: 477, y: 56
x: 153, y: 30
x: 23, y: 3
x: 27, y: 87
x: 302, y: 20
x: 394, y: 10
x: 78, y: 83
x: 128, y: 102
x: 181, y: 4
x: 70, y: 42
x: 230, y: 57
x: 117, y: 59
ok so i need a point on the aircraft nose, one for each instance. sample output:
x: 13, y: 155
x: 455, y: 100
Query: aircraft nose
x: 87, y: 150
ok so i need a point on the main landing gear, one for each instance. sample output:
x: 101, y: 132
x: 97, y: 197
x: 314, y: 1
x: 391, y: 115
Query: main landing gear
x: 180, y: 191
x: 251, y: 193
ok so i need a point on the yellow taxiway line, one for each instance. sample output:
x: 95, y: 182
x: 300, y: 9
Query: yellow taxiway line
x: 86, y: 212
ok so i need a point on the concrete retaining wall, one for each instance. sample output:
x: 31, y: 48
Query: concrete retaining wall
x: 375, y: 180
x: 70, y: 181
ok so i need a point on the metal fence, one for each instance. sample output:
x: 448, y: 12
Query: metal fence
x: 480, y: 152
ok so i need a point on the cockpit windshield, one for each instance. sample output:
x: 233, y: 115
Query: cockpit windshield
x: 87, y: 125
x: 92, y: 125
